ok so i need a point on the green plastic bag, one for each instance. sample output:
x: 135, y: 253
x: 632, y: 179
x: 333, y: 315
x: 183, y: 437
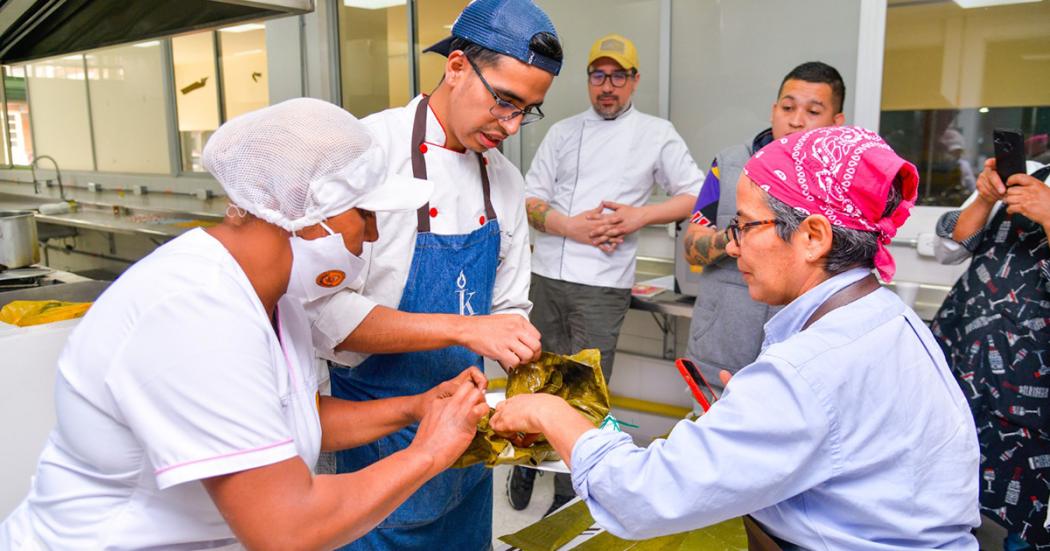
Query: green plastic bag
x: 577, y: 379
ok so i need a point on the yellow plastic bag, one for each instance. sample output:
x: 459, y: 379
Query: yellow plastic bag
x: 578, y: 379
x: 24, y: 313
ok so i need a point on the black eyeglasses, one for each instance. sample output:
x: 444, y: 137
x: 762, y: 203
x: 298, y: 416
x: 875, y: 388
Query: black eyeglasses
x: 618, y: 78
x: 735, y: 229
x: 505, y: 110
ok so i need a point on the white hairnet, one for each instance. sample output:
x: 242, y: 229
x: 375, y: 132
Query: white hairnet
x: 302, y: 161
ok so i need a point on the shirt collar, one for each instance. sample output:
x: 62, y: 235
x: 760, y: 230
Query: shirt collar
x: 594, y: 115
x: 435, y: 129
x: 761, y: 140
x: 789, y: 321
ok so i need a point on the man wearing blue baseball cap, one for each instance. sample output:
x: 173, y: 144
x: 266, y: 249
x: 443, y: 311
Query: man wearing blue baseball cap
x: 448, y: 284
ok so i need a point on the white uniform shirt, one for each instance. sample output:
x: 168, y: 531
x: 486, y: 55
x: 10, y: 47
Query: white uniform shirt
x: 585, y: 160
x: 174, y: 375
x: 459, y: 206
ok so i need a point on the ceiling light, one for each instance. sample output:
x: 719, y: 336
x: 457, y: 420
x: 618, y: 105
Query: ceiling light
x: 244, y: 28
x: 149, y: 44
x: 967, y: 4
x: 982, y: 110
x: 373, y: 4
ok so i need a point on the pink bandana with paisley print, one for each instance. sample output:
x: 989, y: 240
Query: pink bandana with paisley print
x: 843, y: 173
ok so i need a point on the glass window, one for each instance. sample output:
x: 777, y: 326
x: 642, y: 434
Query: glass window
x: 245, y: 84
x: 19, y: 130
x: 373, y: 55
x: 60, y: 125
x: 434, y: 20
x: 579, y: 24
x: 128, y: 108
x: 951, y: 76
x: 196, y: 94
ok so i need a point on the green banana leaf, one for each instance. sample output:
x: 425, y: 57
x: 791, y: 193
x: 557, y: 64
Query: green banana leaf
x: 557, y: 530
x: 577, y: 379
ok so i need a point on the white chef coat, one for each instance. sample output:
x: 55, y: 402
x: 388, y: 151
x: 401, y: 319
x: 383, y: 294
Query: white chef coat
x: 173, y: 376
x: 585, y: 160
x: 459, y: 206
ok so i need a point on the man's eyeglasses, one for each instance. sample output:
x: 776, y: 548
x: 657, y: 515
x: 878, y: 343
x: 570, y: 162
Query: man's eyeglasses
x: 735, y: 229
x: 505, y: 110
x: 618, y: 78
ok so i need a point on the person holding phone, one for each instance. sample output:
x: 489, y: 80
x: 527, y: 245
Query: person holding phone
x: 994, y: 327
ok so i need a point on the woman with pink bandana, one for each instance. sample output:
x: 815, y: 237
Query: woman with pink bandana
x: 848, y: 431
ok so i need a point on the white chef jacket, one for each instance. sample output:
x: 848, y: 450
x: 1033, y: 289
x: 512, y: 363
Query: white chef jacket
x: 457, y: 207
x: 173, y: 376
x: 585, y: 160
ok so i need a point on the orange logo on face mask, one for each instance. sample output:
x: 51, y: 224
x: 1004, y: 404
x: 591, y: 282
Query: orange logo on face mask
x: 331, y: 278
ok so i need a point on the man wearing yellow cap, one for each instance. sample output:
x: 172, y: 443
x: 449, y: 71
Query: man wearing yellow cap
x: 587, y: 193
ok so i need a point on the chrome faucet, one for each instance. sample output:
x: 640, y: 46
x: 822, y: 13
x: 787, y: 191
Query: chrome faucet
x: 58, y: 175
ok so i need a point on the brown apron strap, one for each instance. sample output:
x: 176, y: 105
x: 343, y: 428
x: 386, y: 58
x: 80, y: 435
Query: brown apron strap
x: 856, y: 290
x: 419, y: 164
x: 419, y: 168
x: 490, y: 213
x: 757, y: 539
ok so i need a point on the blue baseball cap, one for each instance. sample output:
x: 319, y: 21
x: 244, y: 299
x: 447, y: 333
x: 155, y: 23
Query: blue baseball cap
x: 505, y: 27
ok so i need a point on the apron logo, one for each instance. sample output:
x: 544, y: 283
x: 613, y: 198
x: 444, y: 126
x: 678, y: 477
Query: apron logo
x: 331, y: 278
x: 465, y: 309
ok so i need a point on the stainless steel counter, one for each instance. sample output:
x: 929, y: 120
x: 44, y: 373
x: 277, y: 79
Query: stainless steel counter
x: 156, y: 201
x: 666, y: 306
x: 155, y: 215
x: 119, y: 220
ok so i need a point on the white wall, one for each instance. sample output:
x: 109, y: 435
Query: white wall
x: 128, y: 107
x: 728, y: 59
x: 59, y: 111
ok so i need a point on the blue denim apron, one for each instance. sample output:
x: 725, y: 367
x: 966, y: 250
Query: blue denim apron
x: 451, y: 274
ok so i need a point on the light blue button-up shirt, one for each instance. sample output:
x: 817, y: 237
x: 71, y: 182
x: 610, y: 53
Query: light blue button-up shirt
x: 852, y: 434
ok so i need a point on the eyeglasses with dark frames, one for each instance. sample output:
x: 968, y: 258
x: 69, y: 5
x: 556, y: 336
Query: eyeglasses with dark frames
x: 735, y: 229
x: 505, y: 110
x: 618, y: 78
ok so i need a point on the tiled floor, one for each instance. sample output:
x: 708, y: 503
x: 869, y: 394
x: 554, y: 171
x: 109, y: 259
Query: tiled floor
x: 505, y: 520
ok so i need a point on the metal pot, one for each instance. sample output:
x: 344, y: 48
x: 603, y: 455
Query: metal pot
x: 18, y: 242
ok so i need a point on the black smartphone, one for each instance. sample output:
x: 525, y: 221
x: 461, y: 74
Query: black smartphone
x: 1009, y: 152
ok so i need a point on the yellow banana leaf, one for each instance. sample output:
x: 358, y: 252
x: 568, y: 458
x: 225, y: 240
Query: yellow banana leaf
x: 577, y: 379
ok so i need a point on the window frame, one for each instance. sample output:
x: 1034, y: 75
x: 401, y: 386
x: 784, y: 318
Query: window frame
x: 167, y: 60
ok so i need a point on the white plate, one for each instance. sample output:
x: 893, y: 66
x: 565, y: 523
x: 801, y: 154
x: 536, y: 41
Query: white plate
x: 558, y: 466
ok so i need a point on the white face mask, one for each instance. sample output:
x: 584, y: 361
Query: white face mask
x: 321, y: 267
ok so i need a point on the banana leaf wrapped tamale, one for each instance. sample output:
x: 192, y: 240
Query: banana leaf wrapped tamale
x: 577, y: 379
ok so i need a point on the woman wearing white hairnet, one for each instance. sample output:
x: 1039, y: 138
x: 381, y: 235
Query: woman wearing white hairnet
x: 188, y: 412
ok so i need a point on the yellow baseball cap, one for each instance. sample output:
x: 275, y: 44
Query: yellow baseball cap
x: 617, y: 48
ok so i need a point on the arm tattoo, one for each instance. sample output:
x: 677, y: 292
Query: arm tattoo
x: 537, y: 213
x: 704, y: 250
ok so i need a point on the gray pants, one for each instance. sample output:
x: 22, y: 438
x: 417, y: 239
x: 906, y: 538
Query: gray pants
x: 572, y: 317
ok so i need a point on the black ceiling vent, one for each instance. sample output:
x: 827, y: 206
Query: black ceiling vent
x: 34, y: 29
